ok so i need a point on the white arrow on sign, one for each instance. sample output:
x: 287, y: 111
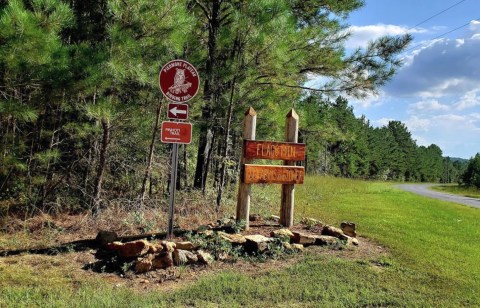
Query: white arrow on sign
x: 176, y: 111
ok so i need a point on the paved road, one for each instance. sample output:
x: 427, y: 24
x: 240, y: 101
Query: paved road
x: 424, y: 190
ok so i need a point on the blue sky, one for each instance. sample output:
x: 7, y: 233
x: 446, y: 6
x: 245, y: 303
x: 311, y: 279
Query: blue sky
x: 437, y: 91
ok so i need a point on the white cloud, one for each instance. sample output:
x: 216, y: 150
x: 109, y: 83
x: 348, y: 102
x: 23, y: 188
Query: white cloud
x: 421, y: 140
x: 415, y: 123
x: 469, y: 100
x: 362, y: 35
x: 370, y: 101
x: 474, y: 25
x: 382, y: 122
x: 428, y: 105
x: 445, y: 67
x: 453, y: 133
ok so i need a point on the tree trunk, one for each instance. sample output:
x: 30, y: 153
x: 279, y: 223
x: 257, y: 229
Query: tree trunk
x: 203, y: 150
x: 148, y: 168
x: 206, y: 134
x: 225, y: 148
x: 185, y: 165
x: 101, y: 165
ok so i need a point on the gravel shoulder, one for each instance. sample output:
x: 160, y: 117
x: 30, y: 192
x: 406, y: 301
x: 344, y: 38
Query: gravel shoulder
x: 424, y: 190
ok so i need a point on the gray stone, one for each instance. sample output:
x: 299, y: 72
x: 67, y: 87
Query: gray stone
x: 325, y: 240
x: 235, y: 238
x: 204, y: 257
x: 293, y: 247
x: 257, y: 243
x: 332, y: 231
x: 185, y: 246
x: 183, y: 257
x: 302, y: 238
x: 283, y: 234
x: 274, y: 218
x: 351, y: 241
x: 311, y: 222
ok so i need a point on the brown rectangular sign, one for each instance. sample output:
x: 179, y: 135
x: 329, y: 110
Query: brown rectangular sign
x: 274, y: 150
x: 273, y: 174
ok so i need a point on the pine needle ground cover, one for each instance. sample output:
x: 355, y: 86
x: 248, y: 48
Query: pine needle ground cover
x: 432, y: 260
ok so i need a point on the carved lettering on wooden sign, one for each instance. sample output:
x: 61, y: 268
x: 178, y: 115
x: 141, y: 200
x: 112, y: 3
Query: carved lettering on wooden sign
x: 274, y: 150
x: 273, y: 174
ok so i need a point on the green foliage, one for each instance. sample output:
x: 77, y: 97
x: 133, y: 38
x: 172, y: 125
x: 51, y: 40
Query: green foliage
x: 471, y: 177
x: 457, y: 189
x: 216, y: 245
x: 429, y: 259
x: 340, y: 144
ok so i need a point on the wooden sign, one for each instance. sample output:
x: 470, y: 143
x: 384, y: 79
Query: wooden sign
x: 288, y: 175
x: 273, y: 174
x: 274, y: 150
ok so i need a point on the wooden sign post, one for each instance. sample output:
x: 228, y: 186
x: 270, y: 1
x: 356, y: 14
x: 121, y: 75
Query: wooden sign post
x: 288, y: 175
x: 243, y: 200
x: 288, y: 190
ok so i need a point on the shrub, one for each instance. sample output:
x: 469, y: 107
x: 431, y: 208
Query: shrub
x: 471, y: 177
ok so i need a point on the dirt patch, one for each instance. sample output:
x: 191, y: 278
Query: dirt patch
x: 177, y: 277
x: 47, y: 230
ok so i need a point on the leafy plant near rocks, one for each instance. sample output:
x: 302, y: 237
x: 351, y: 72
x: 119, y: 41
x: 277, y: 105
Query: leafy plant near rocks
x: 276, y: 250
x: 215, y: 244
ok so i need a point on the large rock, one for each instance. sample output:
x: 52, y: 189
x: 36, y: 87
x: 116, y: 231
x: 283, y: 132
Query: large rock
x: 348, y: 228
x: 283, y: 234
x: 204, y: 257
x: 293, y: 247
x: 106, y: 237
x: 255, y: 217
x: 143, y: 265
x: 311, y: 222
x: 162, y: 260
x: 332, y: 231
x: 234, y: 238
x: 274, y: 218
x: 325, y: 240
x: 183, y: 257
x: 257, y: 242
x: 303, y: 238
x: 351, y: 241
x: 130, y: 249
x: 185, y: 246
x: 169, y: 246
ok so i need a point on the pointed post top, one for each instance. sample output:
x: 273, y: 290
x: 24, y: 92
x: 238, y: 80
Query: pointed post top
x: 292, y: 114
x: 250, y: 111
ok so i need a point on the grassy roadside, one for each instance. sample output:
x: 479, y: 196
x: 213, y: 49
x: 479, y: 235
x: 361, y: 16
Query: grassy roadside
x: 471, y: 192
x: 433, y: 260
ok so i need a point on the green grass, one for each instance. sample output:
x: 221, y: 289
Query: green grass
x: 471, y: 192
x: 434, y: 260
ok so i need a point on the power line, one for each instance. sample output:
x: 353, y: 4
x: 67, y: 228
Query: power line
x: 431, y: 17
x: 443, y: 34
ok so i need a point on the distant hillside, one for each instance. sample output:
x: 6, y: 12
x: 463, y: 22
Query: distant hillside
x: 455, y: 159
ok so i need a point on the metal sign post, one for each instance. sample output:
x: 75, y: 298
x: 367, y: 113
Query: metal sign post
x: 179, y: 82
x: 173, y: 184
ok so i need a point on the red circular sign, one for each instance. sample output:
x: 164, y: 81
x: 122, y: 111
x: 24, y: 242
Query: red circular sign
x: 179, y: 81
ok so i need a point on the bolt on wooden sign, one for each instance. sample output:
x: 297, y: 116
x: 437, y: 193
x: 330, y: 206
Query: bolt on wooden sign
x: 288, y: 175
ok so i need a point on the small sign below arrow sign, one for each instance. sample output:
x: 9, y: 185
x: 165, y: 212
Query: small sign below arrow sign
x: 177, y: 111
